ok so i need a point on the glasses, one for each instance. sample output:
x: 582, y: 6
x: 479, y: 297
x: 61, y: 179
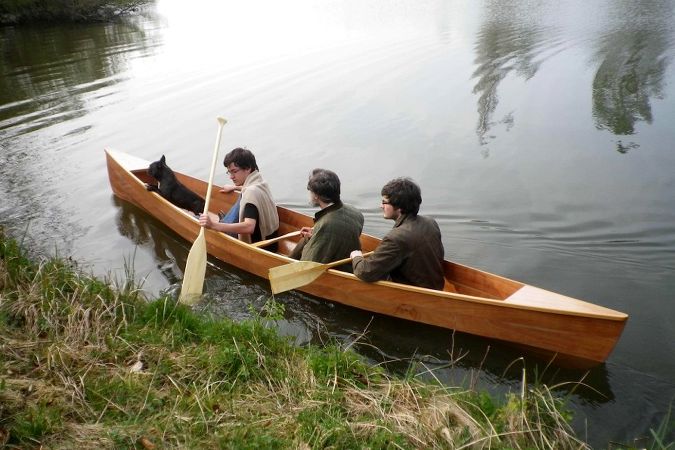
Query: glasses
x: 233, y: 171
x: 386, y: 202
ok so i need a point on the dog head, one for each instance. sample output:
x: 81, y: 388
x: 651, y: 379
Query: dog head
x: 157, y: 168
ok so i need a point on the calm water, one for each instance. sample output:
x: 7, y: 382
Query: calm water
x: 541, y: 133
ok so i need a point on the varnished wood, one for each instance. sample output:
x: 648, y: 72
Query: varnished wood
x: 195, y: 267
x: 267, y: 242
x: 478, y: 302
x: 297, y: 274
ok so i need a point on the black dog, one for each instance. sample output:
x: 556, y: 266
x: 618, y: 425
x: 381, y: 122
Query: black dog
x: 173, y: 190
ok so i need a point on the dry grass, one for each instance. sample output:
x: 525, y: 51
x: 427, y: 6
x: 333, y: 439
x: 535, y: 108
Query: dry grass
x: 85, y: 365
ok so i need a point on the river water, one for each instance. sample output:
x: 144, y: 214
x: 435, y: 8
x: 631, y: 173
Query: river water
x: 541, y: 134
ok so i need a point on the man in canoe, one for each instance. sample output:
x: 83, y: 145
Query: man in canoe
x: 337, y: 226
x: 412, y: 252
x: 254, y: 217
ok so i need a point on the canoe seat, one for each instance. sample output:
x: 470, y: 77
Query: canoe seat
x: 286, y: 247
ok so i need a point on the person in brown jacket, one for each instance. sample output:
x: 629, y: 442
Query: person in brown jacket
x: 412, y: 252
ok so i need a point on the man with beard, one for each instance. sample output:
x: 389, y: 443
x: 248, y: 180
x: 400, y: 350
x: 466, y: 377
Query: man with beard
x: 337, y: 226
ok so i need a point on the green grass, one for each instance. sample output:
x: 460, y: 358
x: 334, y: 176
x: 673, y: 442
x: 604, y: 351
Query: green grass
x: 86, y: 364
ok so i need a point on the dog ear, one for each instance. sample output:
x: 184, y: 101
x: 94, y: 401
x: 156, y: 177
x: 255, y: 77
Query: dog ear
x: 162, y: 160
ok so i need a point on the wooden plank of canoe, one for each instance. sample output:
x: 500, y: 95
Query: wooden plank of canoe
x: 527, y: 318
x: 531, y: 297
x: 129, y: 162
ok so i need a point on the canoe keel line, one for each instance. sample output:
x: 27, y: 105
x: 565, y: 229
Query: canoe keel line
x: 579, y: 333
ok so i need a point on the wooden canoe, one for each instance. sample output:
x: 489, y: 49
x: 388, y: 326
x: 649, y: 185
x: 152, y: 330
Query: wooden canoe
x: 473, y: 301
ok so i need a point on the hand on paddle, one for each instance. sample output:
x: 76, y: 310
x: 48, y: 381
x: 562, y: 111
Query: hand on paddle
x: 355, y: 253
x: 205, y: 220
x: 306, y: 232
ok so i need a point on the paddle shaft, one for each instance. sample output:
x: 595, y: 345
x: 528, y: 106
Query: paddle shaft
x: 276, y: 239
x: 214, y: 160
x: 195, y: 266
x: 341, y: 261
x: 207, y: 200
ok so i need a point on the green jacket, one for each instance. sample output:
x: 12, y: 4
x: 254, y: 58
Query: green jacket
x: 337, y: 229
x: 411, y: 253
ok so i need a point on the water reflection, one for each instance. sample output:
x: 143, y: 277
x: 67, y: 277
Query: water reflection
x: 144, y: 231
x: 509, y: 40
x: 457, y: 358
x: 49, y: 75
x: 632, y: 58
x: 47, y: 71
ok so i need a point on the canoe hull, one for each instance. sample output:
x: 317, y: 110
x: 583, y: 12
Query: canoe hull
x: 580, y: 333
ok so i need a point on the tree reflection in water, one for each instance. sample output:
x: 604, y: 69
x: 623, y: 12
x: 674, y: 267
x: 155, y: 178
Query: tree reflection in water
x: 509, y: 40
x: 47, y: 71
x: 632, y: 59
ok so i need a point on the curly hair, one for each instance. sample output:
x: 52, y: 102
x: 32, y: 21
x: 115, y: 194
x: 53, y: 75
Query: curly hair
x: 403, y: 193
x: 325, y: 184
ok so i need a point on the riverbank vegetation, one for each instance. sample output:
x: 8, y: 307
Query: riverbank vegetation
x: 21, y: 11
x: 91, y: 363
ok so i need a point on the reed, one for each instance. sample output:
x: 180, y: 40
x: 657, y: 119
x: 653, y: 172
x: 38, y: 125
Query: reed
x: 91, y: 364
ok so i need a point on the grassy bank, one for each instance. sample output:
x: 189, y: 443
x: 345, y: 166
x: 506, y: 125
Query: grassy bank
x: 87, y: 365
x: 19, y: 11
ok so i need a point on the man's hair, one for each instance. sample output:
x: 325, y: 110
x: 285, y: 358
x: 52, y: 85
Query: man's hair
x: 325, y: 184
x: 241, y: 157
x: 403, y: 193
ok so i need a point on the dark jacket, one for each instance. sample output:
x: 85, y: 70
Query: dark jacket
x: 337, y: 229
x: 411, y: 253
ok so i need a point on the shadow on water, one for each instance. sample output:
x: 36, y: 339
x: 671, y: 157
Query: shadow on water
x: 168, y: 250
x: 228, y: 290
x: 48, y: 71
x: 632, y: 59
x: 432, y: 352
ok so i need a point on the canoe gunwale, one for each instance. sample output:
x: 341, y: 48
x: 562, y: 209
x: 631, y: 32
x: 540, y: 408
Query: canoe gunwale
x: 412, y: 307
x: 389, y: 284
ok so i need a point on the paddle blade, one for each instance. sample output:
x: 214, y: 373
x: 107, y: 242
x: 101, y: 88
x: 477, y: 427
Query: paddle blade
x: 195, y: 271
x: 294, y: 275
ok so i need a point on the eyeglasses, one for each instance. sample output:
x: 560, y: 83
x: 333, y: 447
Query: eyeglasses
x: 233, y: 171
x: 386, y: 202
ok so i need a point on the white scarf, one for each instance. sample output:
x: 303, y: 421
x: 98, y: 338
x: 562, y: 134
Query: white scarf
x: 256, y: 191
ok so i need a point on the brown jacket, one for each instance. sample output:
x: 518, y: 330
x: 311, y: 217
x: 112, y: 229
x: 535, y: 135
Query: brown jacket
x: 411, y: 253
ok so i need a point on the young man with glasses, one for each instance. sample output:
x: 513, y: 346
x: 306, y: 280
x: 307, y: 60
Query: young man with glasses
x: 412, y: 252
x: 254, y: 217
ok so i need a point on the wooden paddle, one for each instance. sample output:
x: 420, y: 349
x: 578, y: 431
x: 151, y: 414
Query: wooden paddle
x: 195, y: 267
x: 296, y: 274
x: 276, y: 239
